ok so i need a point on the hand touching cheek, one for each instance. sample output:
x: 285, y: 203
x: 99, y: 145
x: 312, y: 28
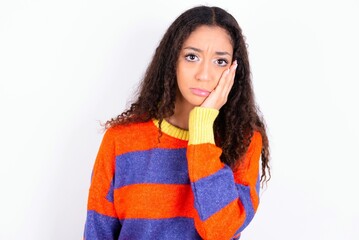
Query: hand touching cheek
x: 219, y: 95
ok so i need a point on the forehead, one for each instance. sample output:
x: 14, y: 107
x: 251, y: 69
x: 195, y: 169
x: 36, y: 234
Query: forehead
x: 209, y: 36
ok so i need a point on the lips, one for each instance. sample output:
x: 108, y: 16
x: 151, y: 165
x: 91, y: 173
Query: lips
x: 200, y: 92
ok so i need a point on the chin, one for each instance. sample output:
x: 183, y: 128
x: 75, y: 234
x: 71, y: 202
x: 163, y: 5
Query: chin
x: 197, y: 103
x: 199, y: 100
x: 193, y: 101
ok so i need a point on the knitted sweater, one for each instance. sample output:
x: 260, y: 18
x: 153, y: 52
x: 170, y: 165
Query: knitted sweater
x: 175, y: 188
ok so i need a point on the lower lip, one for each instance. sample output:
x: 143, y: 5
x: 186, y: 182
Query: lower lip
x: 200, y: 92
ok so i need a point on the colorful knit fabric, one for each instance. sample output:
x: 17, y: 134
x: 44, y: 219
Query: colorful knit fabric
x: 172, y: 187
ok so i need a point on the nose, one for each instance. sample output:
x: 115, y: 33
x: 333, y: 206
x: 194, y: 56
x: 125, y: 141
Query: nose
x: 203, y: 71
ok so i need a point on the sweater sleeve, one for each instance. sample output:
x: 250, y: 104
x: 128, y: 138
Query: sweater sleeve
x: 101, y: 220
x: 225, y: 201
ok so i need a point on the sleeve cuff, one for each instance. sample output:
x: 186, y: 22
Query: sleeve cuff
x: 201, y: 125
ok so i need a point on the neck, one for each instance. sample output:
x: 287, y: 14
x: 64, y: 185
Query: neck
x: 181, y: 114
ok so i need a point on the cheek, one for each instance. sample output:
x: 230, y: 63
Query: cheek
x: 182, y: 74
x: 218, y: 74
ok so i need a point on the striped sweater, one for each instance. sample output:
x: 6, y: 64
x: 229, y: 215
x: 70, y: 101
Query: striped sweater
x: 175, y: 188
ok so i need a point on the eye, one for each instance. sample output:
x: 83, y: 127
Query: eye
x: 222, y: 62
x: 191, y: 57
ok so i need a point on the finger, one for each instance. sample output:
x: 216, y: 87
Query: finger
x: 225, y: 77
x: 229, y: 80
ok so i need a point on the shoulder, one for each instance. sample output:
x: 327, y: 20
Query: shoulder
x: 255, y: 146
x: 253, y: 151
x: 256, y: 139
x: 248, y: 168
x: 131, y: 137
x: 132, y: 129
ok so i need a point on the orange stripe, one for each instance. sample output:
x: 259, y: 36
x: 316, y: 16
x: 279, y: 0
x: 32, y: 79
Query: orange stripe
x: 247, y: 172
x: 215, y: 227
x: 102, y: 176
x: 203, y: 160
x: 154, y: 201
x: 139, y: 137
x: 98, y: 202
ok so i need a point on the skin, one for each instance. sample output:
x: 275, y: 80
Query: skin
x: 205, y: 72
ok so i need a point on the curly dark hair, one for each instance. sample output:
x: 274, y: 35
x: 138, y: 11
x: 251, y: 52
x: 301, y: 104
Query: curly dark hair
x: 237, y: 119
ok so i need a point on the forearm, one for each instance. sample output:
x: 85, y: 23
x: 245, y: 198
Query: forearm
x: 220, y: 201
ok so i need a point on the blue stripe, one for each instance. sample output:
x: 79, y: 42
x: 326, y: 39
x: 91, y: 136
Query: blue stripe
x: 258, y: 185
x: 170, y: 228
x: 109, y: 196
x: 244, y: 196
x: 214, y: 192
x: 99, y: 226
x: 167, y: 166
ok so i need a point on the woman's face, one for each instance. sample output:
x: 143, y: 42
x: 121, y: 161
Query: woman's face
x: 205, y: 55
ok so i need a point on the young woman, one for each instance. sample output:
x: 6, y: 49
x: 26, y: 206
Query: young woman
x: 184, y: 161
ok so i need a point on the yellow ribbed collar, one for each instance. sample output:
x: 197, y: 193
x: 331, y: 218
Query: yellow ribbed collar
x: 171, y: 130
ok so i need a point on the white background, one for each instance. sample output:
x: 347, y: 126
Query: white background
x: 67, y: 66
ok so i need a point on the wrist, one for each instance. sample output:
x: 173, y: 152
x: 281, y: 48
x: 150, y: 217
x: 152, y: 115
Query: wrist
x: 201, y: 122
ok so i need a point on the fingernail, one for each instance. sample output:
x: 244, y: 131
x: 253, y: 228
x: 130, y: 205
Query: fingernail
x: 234, y: 66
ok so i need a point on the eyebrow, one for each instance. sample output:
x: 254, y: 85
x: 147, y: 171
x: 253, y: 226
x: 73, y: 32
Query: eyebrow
x: 199, y: 50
